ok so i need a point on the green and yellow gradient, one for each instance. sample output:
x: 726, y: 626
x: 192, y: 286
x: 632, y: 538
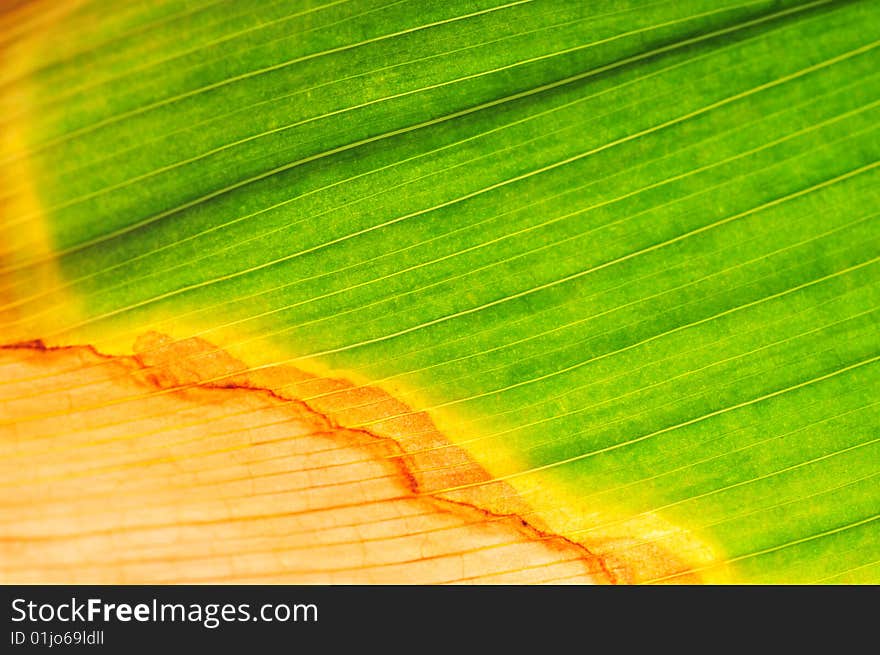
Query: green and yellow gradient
x: 624, y: 254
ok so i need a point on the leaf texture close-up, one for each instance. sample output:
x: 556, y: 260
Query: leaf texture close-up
x: 371, y: 291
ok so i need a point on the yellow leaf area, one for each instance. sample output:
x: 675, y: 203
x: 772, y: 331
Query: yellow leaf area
x: 176, y: 462
x: 24, y: 235
x: 150, y: 469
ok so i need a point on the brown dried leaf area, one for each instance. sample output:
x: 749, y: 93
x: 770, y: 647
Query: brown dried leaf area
x: 172, y: 466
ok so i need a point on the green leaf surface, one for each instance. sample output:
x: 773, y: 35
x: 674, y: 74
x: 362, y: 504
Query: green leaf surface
x: 625, y: 252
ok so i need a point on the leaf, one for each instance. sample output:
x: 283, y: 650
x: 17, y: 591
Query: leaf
x: 622, y: 254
